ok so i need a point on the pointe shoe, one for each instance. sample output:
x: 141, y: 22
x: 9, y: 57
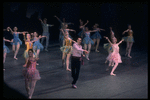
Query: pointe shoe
x: 112, y: 74
x: 105, y: 61
x: 37, y: 63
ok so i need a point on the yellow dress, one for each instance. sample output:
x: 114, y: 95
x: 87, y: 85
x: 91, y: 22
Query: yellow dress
x: 29, y: 45
x: 67, y: 48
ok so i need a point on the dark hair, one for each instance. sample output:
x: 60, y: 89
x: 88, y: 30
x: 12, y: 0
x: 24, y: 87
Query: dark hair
x: 30, y: 50
x: 79, y: 37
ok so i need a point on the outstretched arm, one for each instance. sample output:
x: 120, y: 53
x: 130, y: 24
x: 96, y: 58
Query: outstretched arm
x: 8, y: 28
x: 84, y: 24
x: 120, y: 41
x: 70, y: 30
x: 58, y: 19
x: 125, y: 31
x: 7, y: 40
x: 108, y: 40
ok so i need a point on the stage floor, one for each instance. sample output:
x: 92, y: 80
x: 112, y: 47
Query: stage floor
x: 131, y: 80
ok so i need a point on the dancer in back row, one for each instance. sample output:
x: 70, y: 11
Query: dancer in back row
x: 129, y: 39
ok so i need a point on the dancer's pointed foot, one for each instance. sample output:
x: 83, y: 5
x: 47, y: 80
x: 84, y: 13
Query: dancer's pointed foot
x: 107, y: 69
x: 112, y: 74
x: 129, y: 56
x: 15, y: 58
x: 68, y: 69
x: 96, y: 51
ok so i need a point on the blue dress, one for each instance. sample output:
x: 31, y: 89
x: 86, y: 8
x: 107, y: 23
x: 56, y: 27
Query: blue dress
x: 5, y: 48
x: 79, y: 34
x: 37, y: 45
x: 96, y: 35
x: 16, y: 39
x: 87, y: 38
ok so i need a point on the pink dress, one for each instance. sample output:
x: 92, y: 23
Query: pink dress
x: 31, y: 73
x: 114, y: 56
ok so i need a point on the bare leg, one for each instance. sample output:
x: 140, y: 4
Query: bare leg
x: 130, y: 46
x: 94, y: 40
x: 16, y: 52
x: 37, y: 52
x: 13, y: 48
x: 127, y: 48
x: 98, y: 41
x: 27, y: 86
x: 4, y: 55
x: 63, y: 59
x: 67, y: 62
x: 112, y: 71
x: 33, y: 83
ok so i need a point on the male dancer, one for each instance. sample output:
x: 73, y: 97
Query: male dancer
x: 76, y: 61
x: 45, y: 32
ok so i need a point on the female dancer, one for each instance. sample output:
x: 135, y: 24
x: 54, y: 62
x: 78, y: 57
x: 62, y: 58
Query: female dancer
x: 82, y: 27
x: 5, y: 49
x: 96, y: 36
x: 62, y: 26
x: 37, y: 46
x: 66, y: 29
x: 114, y: 56
x: 88, y: 41
x: 16, y: 41
x: 30, y: 73
x: 129, y: 39
x: 29, y: 45
x: 66, y: 49
x: 107, y: 46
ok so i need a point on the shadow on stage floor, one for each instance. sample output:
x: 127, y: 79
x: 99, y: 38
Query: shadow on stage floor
x: 94, y: 81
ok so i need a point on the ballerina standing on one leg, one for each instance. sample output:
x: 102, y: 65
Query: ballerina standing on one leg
x: 16, y: 41
x: 96, y: 36
x: 66, y: 49
x: 37, y: 46
x: 88, y: 41
x: 114, y: 56
x: 129, y: 39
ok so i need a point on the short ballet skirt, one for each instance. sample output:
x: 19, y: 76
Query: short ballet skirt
x: 31, y: 74
x: 128, y: 38
x: 66, y: 49
x: 96, y: 35
x: 15, y: 41
x: 37, y: 45
x: 6, y: 49
x: 25, y: 55
x: 114, y: 57
x: 86, y: 40
x: 108, y: 47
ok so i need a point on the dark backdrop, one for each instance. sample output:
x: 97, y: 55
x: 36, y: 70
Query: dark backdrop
x: 25, y: 16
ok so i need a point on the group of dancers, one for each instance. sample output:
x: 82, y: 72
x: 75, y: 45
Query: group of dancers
x: 68, y: 46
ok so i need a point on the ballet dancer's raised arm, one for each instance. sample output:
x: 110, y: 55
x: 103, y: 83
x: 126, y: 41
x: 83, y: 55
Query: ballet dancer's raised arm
x: 108, y: 40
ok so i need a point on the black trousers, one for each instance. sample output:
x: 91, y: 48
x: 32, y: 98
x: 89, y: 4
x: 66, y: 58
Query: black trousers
x: 75, y: 68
